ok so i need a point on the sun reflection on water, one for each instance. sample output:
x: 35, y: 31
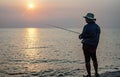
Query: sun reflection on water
x: 32, y: 39
x: 32, y: 32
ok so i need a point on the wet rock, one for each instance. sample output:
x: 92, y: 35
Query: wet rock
x: 35, y: 74
x: 25, y: 76
x: 60, y: 75
x: 116, y: 68
x: 41, y: 76
x: 68, y: 73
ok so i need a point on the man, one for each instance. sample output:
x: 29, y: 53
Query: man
x: 90, y: 39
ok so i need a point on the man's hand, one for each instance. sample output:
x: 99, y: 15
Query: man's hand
x: 80, y: 36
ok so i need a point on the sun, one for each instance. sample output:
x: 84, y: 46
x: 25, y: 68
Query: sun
x: 31, y: 6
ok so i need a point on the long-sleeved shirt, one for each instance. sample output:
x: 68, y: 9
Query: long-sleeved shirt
x: 90, y: 34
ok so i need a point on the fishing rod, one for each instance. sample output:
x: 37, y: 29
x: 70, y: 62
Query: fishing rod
x: 63, y: 28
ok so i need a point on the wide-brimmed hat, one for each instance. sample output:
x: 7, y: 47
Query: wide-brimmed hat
x: 90, y: 16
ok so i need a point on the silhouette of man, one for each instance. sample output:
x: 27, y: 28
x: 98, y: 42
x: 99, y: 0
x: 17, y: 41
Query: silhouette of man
x: 90, y: 39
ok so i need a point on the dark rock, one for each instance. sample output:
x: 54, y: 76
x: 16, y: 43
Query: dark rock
x: 60, y: 75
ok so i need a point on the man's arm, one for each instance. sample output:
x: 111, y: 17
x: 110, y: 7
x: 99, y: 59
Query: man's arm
x: 81, y: 36
x: 85, y: 33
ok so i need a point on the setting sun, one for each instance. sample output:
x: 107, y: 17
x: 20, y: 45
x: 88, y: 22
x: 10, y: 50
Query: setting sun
x: 31, y: 5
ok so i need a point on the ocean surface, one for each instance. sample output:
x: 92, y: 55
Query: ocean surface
x: 52, y: 52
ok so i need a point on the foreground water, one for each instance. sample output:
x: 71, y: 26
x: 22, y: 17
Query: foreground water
x: 51, y: 52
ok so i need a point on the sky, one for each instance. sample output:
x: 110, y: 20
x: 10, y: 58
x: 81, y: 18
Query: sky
x: 66, y: 13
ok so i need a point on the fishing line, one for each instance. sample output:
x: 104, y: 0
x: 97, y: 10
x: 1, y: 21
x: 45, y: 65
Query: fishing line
x: 63, y: 28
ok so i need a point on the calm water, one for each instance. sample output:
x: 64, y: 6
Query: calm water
x: 32, y: 50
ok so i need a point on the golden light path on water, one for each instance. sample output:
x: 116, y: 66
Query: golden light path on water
x: 33, y: 51
x: 32, y: 32
x: 32, y: 37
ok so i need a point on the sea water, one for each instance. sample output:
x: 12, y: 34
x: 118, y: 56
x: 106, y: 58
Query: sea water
x: 52, y: 52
